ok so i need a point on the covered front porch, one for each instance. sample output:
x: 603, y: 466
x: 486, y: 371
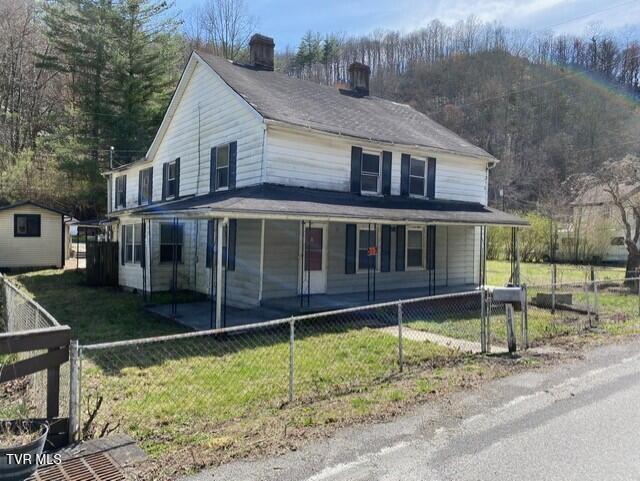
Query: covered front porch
x: 271, y: 252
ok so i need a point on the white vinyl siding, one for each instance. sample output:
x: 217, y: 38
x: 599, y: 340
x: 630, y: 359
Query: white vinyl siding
x: 42, y: 251
x: 224, y: 118
x: 324, y: 162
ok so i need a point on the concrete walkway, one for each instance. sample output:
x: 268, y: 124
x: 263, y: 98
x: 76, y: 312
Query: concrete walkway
x: 450, y: 342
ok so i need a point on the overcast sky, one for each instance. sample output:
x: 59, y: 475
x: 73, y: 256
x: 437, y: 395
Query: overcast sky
x: 288, y: 20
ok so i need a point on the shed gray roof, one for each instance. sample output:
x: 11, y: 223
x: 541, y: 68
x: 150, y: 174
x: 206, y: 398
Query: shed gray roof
x: 35, y: 204
x: 277, y: 200
x: 304, y: 103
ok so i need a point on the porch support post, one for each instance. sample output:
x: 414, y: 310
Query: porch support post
x: 219, y: 241
x: 261, y: 280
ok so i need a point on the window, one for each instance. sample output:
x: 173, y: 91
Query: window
x: 132, y: 243
x: 167, y: 242
x: 170, y: 180
x: 222, y: 167
x: 26, y: 225
x: 370, y: 181
x: 144, y: 193
x: 617, y: 241
x: 121, y: 191
x: 367, y: 248
x: 415, y: 248
x: 416, y: 177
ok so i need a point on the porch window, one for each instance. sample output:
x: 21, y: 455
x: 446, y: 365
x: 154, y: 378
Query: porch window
x: 222, y: 167
x: 132, y: 243
x: 415, y: 248
x: 167, y: 242
x: 26, y: 225
x: 416, y: 177
x: 121, y: 191
x: 144, y: 193
x: 367, y: 248
x: 370, y: 177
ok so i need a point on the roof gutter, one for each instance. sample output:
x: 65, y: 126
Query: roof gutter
x: 235, y: 214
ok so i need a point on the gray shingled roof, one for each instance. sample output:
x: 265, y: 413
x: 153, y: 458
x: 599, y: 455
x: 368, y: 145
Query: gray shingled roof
x: 271, y: 199
x: 304, y: 103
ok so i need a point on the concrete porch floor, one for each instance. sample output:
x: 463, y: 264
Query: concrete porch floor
x: 197, y: 315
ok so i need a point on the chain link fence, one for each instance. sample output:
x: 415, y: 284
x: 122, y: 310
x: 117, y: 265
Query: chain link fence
x: 198, y: 382
x: 26, y: 396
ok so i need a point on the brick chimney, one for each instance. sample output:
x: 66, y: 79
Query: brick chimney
x: 261, y: 51
x: 359, y: 74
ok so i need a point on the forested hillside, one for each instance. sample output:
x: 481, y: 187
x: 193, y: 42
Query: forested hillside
x: 85, y: 82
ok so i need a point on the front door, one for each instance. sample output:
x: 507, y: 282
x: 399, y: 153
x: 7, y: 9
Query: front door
x: 314, y: 258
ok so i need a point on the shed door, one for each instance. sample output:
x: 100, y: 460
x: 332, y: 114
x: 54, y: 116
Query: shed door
x: 314, y: 259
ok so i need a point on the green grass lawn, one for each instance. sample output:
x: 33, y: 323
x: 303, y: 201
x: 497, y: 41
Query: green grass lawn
x: 95, y: 314
x: 181, y: 388
x: 498, y: 273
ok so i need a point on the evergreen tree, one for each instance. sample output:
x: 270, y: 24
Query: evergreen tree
x: 145, y: 50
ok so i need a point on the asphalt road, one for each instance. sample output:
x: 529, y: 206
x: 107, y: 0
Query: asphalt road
x: 579, y: 421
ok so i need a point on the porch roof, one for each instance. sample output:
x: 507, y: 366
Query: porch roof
x: 285, y: 202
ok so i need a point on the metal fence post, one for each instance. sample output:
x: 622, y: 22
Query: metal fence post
x: 400, y: 348
x: 553, y: 288
x: 489, y: 305
x: 483, y: 315
x: 74, y: 392
x: 596, y: 304
x: 292, y: 338
x: 587, y: 298
x: 525, y: 317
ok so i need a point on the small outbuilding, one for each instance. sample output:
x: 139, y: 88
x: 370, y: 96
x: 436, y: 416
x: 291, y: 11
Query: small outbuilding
x: 33, y: 235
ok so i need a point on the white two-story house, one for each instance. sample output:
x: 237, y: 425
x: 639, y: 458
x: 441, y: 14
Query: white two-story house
x: 261, y: 189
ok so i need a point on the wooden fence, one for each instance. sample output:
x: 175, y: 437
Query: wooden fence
x: 102, y: 263
x: 55, y: 340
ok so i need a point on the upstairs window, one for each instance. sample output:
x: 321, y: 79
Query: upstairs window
x: 170, y: 236
x: 121, y: 191
x: 170, y: 185
x: 144, y: 189
x: 132, y: 243
x: 222, y: 167
x: 416, y: 177
x: 370, y: 176
x: 415, y: 248
x: 26, y: 225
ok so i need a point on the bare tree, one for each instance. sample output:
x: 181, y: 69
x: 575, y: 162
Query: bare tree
x: 225, y: 26
x: 620, y: 180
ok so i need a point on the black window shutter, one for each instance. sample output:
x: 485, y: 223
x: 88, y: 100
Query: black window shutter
x: 405, y: 165
x: 143, y: 253
x: 386, y: 173
x: 122, y: 244
x: 385, y: 249
x: 177, y: 178
x: 400, y: 239
x: 165, y: 170
x: 431, y: 178
x: 150, y: 170
x: 231, y: 244
x: 140, y: 188
x: 124, y: 190
x: 209, y: 243
x: 356, y: 169
x: 431, y: 247
x: 350, y: 249
x: 213, y: 164
x: 233, y: 161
